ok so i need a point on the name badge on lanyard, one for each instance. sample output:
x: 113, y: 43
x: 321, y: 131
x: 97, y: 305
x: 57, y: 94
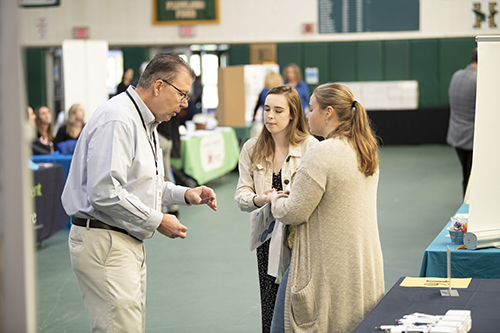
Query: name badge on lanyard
x: 158, y: 193
x: 153, y: 149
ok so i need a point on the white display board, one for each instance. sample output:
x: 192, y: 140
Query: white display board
x: 85, y: 74
x: 254, y: 83
x: 484, y: 182
x: 385, y: 95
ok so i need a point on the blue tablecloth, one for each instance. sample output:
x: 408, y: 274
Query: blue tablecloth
x: 479, y: 264
x: 55, y: 158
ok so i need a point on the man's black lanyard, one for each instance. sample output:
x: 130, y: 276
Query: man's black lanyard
x: 144, y: 125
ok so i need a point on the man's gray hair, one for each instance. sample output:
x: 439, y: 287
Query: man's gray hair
x: 164, y: 66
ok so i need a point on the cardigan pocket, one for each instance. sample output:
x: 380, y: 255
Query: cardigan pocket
x: 304, y: 307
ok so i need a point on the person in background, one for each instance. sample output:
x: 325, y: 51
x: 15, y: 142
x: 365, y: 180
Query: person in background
x: 74, y: 125
x: 195, y: 102
x: 115, y: 192
x: 293, y: 77
x: 462, y: 94
x: 189, y: 112
x: 142, y: 67
x: 59, y: 121
x: 267, y: 163
x: 128, y: 75
x: 45, y: 136
x: 336, y: 274
x: 170, y: 144
x: 272, y: 79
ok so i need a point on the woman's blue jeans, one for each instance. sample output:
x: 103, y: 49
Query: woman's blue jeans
x: 278, y: 323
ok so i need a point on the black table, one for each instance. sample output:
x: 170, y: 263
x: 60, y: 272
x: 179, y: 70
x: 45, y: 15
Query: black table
x: 407, y: 127
x: 46, y: 192
x: 482, y: 297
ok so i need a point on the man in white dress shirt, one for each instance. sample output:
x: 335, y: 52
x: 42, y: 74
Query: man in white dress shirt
x: 115, y: 192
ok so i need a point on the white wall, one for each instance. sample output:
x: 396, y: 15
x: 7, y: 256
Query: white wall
x: 129, y: 22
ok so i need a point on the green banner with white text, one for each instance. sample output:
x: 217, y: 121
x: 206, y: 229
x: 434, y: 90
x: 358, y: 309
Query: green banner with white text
x: 185, y: 12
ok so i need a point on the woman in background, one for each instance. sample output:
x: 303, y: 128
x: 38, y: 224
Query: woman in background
x: 45, y: 135
x: 271, y: 80
x: 128, y: 75
x: 74, y: 124
x: 293, y: 77
x: 267, y: 162
x: 336, y: 275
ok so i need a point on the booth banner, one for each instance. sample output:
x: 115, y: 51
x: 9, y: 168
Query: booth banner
x: 182, y: 12
x: 49, y: 216
x: 212, y: 152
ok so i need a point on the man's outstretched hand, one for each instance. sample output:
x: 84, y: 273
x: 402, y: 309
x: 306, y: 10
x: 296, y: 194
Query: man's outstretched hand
x: 201, y: 195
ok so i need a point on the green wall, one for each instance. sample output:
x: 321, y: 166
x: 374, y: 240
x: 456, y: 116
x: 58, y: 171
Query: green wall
x: 424, y: 69
x: 239, y: 54
x: 133, y: 57
x: 36, y: 78
x: 431, y: 62
x: 452, y: 55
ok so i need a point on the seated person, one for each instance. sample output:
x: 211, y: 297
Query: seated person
x: 45, y: 135
x: 73, y: 126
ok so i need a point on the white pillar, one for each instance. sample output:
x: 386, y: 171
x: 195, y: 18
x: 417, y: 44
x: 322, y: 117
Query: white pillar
x: 17, y: 266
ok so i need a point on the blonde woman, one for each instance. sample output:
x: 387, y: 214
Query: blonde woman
x: 267, y: 163
x: 74, y: 124
x: 271, y: 80
x: 336, y: 276
x: 293, y: 77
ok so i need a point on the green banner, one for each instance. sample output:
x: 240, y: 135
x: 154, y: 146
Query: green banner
x: 185, y: 12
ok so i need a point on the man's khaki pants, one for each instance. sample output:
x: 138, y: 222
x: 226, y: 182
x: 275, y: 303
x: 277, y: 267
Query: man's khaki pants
x: 110, y: 268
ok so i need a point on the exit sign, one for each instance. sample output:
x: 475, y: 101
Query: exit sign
x: 187, y: 30
x: 81, y: 33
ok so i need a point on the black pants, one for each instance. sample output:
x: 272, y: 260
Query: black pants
x: 465, y: 157
x: 268, y: 287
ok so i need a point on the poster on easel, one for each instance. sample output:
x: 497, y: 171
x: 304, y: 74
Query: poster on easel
x: 484, y: 182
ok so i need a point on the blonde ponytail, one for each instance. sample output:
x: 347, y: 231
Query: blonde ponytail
x: 354, y: 123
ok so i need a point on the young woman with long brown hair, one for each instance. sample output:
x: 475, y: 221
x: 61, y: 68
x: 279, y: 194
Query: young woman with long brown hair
x: 336, y: 275
x: 45, y: 134
x: 267, y: 163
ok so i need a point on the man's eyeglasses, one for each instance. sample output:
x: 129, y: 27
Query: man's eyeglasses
x: 185, y: 96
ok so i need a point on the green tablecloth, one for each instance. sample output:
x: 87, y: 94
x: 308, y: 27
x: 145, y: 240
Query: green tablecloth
x: 206, y: 155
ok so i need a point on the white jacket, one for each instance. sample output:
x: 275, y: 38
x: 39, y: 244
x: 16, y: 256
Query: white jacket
x: 260, y: 179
